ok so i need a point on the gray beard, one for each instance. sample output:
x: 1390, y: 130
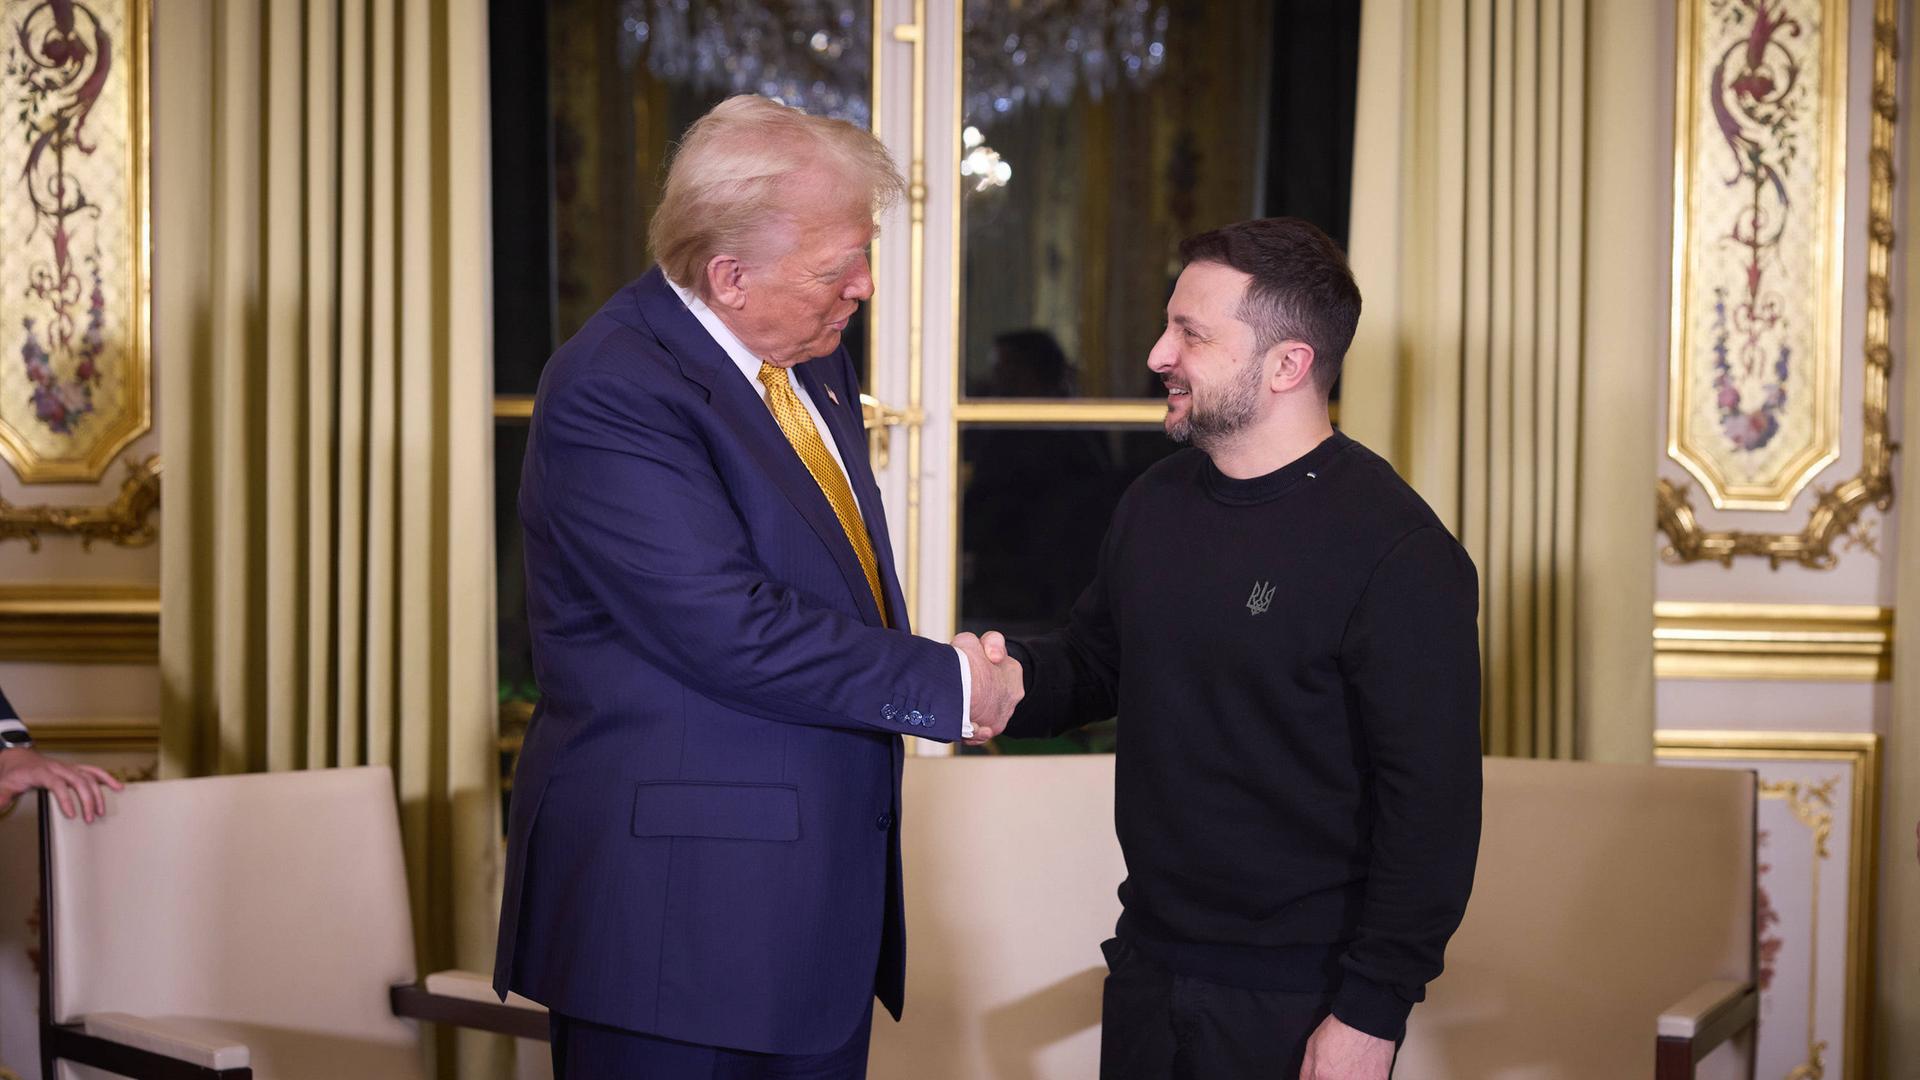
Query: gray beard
x: 1214, y: 421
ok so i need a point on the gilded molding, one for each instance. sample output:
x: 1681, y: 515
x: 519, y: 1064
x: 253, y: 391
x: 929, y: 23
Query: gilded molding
x: 1836, y: 513
x: 1772, y: 642
x: 126, y: 521
x: 80, y: 624
x: 1861, y: 752
x: 89, y: 737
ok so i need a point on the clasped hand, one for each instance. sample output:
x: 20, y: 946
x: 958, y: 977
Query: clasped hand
x: 998, y: 683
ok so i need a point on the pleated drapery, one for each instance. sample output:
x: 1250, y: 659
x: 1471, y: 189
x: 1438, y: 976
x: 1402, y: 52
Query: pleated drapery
x: 321, y: 311
x: 1489, y: 366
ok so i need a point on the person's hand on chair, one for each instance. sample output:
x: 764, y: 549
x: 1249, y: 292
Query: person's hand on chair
x: 77, y: 788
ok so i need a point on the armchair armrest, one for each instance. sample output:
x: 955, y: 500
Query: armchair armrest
x: 169, y: 1037
x: 466, y: 999
x: 145, y: 1047
x: 473, y: 986
x: 1691, y: 1028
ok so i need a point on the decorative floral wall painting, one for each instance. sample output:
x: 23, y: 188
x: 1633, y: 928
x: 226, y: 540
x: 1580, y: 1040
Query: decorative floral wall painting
x: 74, y: 370
x: 1759, y: 210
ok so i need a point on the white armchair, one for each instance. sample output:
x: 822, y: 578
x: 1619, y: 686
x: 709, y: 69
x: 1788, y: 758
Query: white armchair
x: 238, y: 927
x: 1610, y: 932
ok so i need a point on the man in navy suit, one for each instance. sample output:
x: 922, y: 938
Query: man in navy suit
x: 703, y: 870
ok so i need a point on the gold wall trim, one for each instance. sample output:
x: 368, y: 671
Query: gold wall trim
x: 80, y: 624
x: 85, y: 737
x: 513, y: 406
x: 126, y: 521
x: 1148, y: 412
x: 915, y: 34
x: 1861, y: 750
x: 1836, y: 511
x: 1772, y: 642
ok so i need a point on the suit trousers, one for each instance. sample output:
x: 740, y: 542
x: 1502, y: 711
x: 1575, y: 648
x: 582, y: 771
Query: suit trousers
x: 1156, y: 1025
x: 587, y: 1051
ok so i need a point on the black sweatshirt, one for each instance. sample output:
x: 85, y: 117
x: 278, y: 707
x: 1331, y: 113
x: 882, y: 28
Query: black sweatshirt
x: 1295, y: 663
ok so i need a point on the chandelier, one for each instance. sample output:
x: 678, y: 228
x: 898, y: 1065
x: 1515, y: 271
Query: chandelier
x: 817, y: 54
x: 1027, y: 52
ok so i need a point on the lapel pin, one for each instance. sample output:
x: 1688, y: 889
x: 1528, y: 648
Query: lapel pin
x: 833, y: 397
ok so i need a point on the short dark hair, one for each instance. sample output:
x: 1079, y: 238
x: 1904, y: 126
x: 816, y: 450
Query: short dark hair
x: 1301, y: 288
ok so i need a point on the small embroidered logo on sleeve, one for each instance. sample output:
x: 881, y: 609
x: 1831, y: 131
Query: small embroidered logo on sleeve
x: 1262, y: 598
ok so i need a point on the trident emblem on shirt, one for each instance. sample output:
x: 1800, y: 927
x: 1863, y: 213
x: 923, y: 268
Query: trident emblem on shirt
x: 1262, y: 598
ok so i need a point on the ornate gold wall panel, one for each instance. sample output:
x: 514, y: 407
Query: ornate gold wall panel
x: 127, y: 520
x: 1772, y: 642
x: 80, y: 624
x: 1758, y: 241
x: 1837, y: 510
x: 75, y: 387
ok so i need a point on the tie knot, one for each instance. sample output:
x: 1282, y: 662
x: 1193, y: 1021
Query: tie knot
x: 771, y: 376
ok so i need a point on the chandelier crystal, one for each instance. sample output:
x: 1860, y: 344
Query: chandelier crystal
x: 815, y: 54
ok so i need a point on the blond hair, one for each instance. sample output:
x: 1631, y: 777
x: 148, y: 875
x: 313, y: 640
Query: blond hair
x: 727, y: 184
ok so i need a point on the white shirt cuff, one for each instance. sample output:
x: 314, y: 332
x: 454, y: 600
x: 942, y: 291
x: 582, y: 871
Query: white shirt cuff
x: 966, y: 694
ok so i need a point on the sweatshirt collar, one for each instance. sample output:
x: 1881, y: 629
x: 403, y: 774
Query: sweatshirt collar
x: 1258, y: 489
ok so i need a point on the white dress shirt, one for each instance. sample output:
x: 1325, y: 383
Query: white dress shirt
x: 749, y: 366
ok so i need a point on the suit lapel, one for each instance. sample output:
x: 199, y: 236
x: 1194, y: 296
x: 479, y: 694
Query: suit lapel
x: 851, y: 440
x: 703, y: 361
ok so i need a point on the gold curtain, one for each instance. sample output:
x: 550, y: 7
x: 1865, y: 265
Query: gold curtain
x: 321, y: 313
x: 1508, y: 358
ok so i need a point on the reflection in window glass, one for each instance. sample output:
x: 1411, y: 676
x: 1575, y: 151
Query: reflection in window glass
x: 516, y: 646
x: 1034, y: 507
x: 1098, y: 136
x: 583, y: 133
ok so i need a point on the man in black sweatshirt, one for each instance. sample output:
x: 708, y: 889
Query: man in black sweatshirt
x: 1288, y: 636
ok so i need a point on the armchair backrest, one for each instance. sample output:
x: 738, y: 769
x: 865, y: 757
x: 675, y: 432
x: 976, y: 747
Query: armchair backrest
x: 277, y: 899
x: 1011, y: 872
x: 1604, y: 894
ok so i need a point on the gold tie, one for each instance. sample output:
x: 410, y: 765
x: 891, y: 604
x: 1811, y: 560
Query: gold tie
x: 798, y: 427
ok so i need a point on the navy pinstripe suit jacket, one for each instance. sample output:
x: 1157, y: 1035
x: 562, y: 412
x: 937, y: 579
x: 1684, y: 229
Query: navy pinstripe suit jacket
x: 705, y: 837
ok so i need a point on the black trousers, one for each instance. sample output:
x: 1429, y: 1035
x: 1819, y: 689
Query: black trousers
x: 1156, y: 1025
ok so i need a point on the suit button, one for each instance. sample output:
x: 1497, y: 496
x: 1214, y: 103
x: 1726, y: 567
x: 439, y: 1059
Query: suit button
x: 883, y: 822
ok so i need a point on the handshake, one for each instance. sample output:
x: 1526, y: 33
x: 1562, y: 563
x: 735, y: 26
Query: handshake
x: 998, y: 683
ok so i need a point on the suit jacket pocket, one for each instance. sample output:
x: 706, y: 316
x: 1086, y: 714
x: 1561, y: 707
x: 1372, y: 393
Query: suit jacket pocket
x: 717, y: 810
